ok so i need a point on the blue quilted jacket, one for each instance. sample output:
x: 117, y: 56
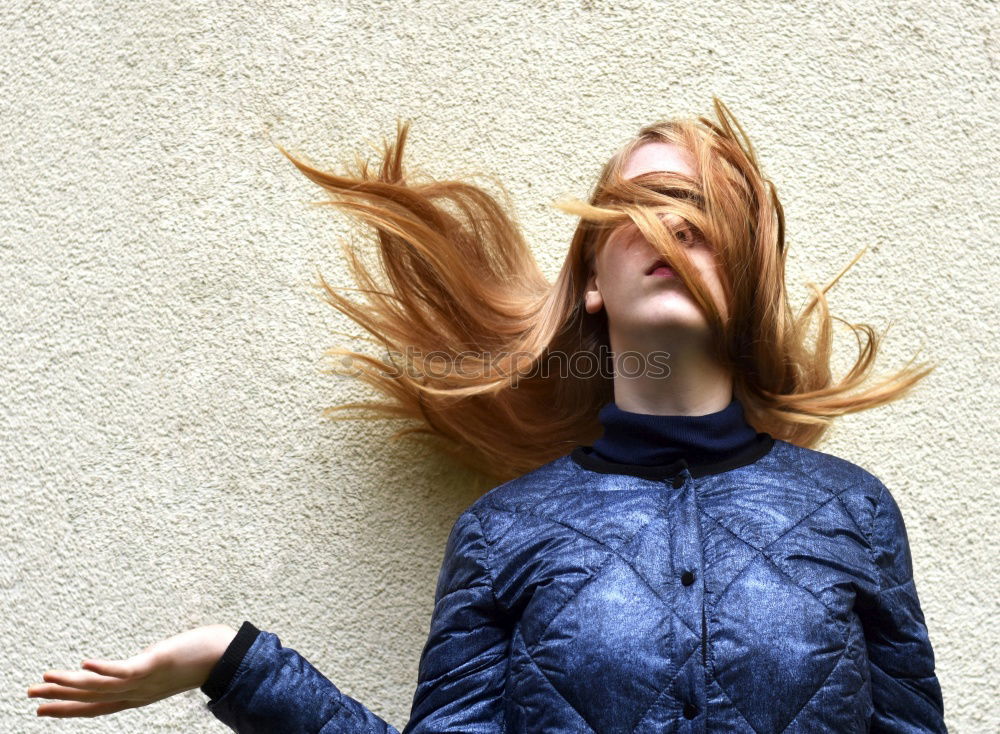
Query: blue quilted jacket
x: 768, y: 592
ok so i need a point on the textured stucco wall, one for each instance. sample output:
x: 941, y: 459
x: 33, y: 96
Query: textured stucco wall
x: 164, y: 463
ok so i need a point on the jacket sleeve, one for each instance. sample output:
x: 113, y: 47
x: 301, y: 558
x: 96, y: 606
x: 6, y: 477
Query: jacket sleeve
x: 260, y: 686
x: 905, y: 690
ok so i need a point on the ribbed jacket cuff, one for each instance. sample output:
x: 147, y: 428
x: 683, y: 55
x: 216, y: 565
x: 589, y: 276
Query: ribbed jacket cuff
x: 222, y: 674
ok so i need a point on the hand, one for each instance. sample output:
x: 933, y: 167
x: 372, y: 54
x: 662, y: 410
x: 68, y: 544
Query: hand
x: 171, y: 666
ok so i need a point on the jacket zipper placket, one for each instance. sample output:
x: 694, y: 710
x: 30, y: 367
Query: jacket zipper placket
x: 704, y: 636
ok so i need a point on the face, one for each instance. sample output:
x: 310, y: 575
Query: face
x: 638, y: 304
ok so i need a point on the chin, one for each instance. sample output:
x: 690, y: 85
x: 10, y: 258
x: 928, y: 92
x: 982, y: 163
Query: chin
x: 689, y: 317
x: 662, y: 330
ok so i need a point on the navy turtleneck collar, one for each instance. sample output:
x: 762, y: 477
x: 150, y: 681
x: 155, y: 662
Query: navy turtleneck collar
x: 660, y: 445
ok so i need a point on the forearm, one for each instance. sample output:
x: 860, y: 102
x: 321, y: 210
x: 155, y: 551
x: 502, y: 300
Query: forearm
x: 261, y: 686
x: 228, y: 660
x: 219, y: 640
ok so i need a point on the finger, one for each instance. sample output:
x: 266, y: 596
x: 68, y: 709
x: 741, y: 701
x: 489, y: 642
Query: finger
x: 86, y: 679
x: 71, y: 694
x: 64, y: 710
x: 113, y: 668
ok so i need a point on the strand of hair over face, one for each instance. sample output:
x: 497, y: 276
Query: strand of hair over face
x: 503, y: 371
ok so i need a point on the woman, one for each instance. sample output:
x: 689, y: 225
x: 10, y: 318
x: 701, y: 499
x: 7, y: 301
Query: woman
x: 698, y: 565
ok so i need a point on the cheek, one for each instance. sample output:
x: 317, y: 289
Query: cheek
x: 610, y: 263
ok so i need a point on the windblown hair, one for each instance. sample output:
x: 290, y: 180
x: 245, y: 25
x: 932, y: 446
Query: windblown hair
x: 504, y: 371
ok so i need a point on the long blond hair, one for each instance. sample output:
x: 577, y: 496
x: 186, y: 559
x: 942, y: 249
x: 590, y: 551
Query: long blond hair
x: 489, y: 358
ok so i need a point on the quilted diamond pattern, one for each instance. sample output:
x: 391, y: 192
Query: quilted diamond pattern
x: 770, y: 597
x: 786, y: 644
x: 583, y: 650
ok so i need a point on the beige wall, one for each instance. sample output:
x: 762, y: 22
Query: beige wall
x: 164, y: 463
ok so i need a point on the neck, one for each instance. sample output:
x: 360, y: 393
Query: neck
x: 681, y: 380
x: 686, y: 389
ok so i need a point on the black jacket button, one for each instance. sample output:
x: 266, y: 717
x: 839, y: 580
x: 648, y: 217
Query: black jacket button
x: 687, y: 578
x: 690, y: 711
x: 678, y: 481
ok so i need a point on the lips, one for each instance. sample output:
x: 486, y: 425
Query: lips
x: 657, y: 265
